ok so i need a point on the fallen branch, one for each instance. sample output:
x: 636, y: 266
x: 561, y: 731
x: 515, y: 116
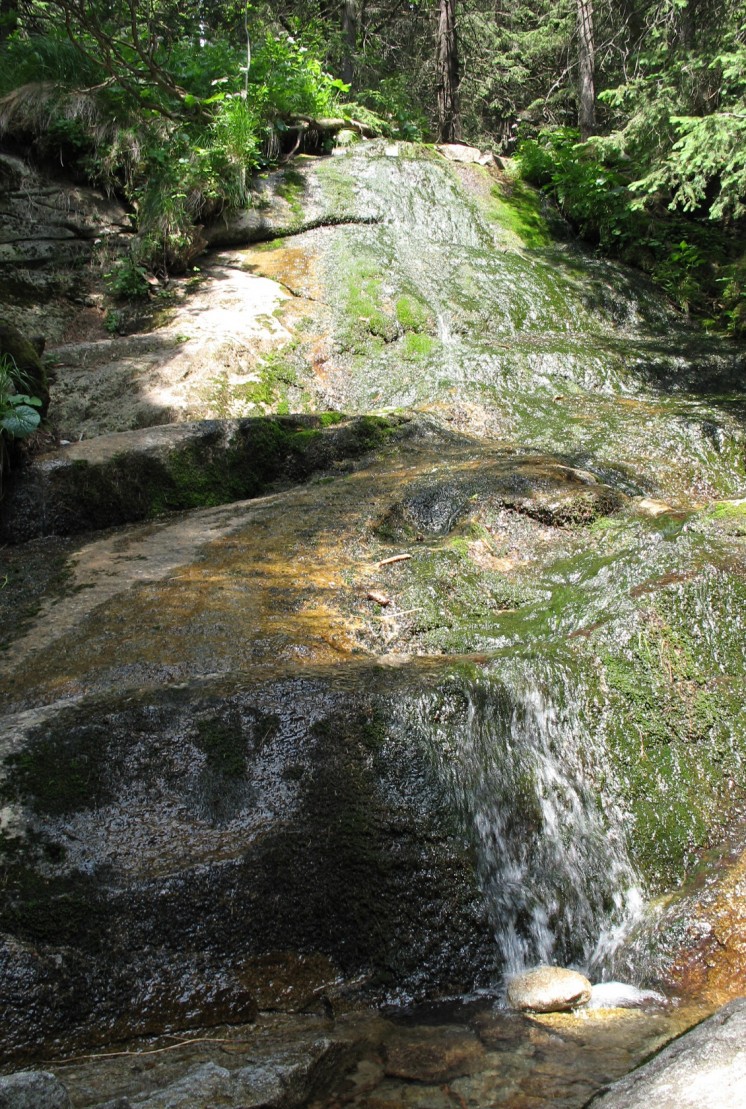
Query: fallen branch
x: 332, y: 126
x: 379, y: 598
x: 394, y: 558
x: 153, y: 1050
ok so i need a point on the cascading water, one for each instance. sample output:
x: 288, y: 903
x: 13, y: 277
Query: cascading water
x: 526, y: 771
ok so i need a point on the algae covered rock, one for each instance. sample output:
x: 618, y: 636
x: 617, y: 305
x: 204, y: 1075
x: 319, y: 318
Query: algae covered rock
x: 548, y: 990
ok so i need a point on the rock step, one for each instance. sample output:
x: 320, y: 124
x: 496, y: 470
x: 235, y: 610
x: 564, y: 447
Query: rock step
x: 138, y: 475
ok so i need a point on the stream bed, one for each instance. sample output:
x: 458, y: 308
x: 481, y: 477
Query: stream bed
x: 421, y: 663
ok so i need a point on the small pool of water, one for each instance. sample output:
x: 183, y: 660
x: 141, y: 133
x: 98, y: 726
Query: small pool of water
x: 466, y: 1052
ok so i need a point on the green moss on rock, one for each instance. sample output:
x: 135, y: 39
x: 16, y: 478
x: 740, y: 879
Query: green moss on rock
x: 60, y: 772
x: 677, y: 730
x: 517, y: 208
x: 413, y: 314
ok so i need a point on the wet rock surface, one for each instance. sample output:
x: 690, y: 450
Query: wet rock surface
x: 187, y: 793
x: 378, y: 882
x: 471, y: 1053
x: 287, y: 202
x: 33, y: 1090
x: 704, y: 1069
x: 692, y: 941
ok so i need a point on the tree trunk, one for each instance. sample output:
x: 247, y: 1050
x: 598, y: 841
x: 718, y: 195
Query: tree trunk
x: 587, y: 60
x: 446, y: 64
x: 350, y: 18
x: 8, y: 18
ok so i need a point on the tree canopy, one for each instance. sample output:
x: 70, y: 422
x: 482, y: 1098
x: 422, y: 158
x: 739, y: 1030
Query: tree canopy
x: 631, y: 115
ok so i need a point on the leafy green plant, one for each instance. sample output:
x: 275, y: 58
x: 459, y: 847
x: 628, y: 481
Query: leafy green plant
x: 127, y: 280
x: 691, y: 259
x: 19, y: 415
x: 681, y: 273
x: 18, y: 411
x: 591, y: 194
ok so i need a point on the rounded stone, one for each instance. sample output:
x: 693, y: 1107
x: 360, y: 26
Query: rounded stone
x: 548, y: 989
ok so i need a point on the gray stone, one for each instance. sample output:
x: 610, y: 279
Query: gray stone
x: 33, y: 1090
x: 548, y: 990
x: 704, y: 1069
x: 279, y: 1082
x: 205, y: 1085
x: 458, y: 152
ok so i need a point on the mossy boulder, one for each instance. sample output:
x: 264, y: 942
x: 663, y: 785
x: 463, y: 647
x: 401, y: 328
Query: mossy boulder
x: 138, y: 475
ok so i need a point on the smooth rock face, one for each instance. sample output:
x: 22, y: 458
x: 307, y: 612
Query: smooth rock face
x: 548, y: 990
x: 704, y: 1069
x: 33, y: 1090
x: 272, y: 214
x: 48, y: 231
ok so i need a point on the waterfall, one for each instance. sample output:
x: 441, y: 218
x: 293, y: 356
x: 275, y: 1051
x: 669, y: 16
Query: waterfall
x: 528, y: 773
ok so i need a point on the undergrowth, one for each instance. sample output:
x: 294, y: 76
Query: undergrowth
x: 699, y: 262
x: 179, y: 146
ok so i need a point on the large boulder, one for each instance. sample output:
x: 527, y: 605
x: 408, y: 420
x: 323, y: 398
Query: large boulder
x: 704, y: 1069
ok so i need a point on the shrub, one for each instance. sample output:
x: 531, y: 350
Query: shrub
x: 19, y: 415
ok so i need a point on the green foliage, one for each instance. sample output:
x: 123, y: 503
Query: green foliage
x: 178, y: 133
x: 591, y: 195
x: 709, y: 151
x: 19, y: 415
x: 413, y: 315
x: 391, y: 109
x: 698, y: 262
x: 18, y: 411
x: 517, y: 68
x: 127, y: 280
